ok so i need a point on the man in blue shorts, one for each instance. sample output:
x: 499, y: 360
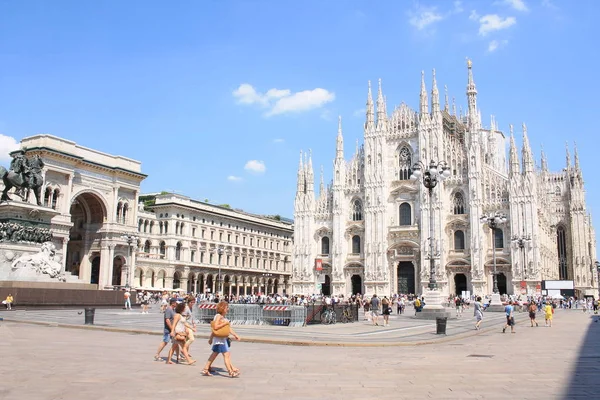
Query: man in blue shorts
x: 510, y: 320
x: 168, y: 323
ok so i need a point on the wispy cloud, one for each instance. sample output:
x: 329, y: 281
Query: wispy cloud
x: 496, y: 44
x: 518, y: 5
x: 255, y: 166
x: 422, y: 17
x: 493, y: 22
x: 233, y: 178
x: 549, y: 4
x: 281, y: 101
x: 7, y: 144
x: 278, y: 140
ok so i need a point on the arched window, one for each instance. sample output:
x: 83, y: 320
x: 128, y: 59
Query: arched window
x: 147, y: 247
x: 160, y: 227
x: 125, y: 213
x: 498, y: 238
x: 166, y: 227
x: 325, y: 245
x: 459, y: 240
x: 356, y: 244
x: 47, y: 194
x: 119, y: 211
x: 561, y: 243
x: 178, y: 251
x: 356, y: 210
x: 405, y: 214
x: 458, y: 202
x: 163, y: 248
x: 181, y: 229
x: 140, y: 223
x: 146, y: 223
x: 55, y: 195
x: 405, y: 164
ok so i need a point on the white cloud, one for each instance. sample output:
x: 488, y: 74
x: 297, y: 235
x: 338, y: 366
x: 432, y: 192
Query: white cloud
x: 7, y: 144
x: 458, y: 7
x: 518, y: 5
x: 280, y: 101
x: 549, y: 4
x: 255, y: 166
x: 496, y: 44
x: 494, y: 22
x: 424, y: 16
x: 474, y: 16
x: 234, y: 178
x: 278, y: 140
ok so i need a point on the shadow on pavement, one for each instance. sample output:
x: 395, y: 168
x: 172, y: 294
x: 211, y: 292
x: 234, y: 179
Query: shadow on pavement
x: 584, y: 381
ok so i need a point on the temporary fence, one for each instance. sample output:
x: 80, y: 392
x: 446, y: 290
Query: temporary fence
x: 255, y: 314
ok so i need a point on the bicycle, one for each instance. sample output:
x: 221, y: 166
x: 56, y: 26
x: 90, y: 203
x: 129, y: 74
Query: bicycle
x: 328, y: 317
x: 347, y: 315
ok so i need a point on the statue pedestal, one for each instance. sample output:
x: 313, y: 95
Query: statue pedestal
x: 26, y: 214
x: 495, y: 304
x: 433, y: 307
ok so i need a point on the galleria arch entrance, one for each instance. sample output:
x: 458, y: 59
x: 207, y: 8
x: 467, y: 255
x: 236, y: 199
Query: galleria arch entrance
x: 88, y: 214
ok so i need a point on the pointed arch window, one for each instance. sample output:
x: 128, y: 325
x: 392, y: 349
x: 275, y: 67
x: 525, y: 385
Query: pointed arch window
x: 147, y: 247
x: 459, y: 240
x: 178, y: 251
x: 355, y: 244
x: 357, y: 210
x: 405, y: 214
x: 47, y: 195
x: 404, y: 164
x: 498, y: 238
x: 325, y: 245
x: 561, y: 243
x: 55, y: 195
x: 458, y: 203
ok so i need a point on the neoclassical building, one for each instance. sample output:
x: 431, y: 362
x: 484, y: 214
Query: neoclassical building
x: 368, y: 231
x: 174, y: 239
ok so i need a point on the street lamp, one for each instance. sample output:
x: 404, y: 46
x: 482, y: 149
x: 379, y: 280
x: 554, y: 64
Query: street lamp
x: 493, y: 221
x: 220, y: 287
x: 430, y: 177
x: 130, y: 239
x: 520, y: 241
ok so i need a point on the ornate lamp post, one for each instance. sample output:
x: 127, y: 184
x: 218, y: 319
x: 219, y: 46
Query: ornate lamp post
x: 220, y: 252
x: 429, y: 177
x: 130, y: 239
x: 493, y: 221
x: 520, y: 242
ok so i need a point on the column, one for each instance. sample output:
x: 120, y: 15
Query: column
x: 132, y: 251
x: 183, y: 283
x: 104, y: 279
x: 110, y: 260
x: 67, y: 203
x: 169, y: 282
x: 64, y: 254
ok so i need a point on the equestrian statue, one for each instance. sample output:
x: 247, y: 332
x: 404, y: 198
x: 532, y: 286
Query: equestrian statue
x: 25, y: 174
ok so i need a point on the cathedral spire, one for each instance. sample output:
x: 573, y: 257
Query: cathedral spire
x: 528, y: 166
x: 380, y: 107
x: 435, y: 95
x: 514, y: 156
x: 370, y: 124
x: 568, y: 155
x: 424, y: 108
x: 576, y: 157
x: 472, y: 98
x: 322, y: 184
x: 301, y: 178
x: 339, y: 147
x: 446, y: 105
x: 310, y: 176
x: 544, y: 161
x: 453, y: 106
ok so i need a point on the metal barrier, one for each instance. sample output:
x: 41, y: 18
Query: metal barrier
x: 343, y: 312
x: 254, y: 314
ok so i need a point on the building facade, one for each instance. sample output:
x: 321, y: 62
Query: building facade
x: 174, y: 241
x: 368, y: 231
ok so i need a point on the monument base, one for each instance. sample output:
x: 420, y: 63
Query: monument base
x: 433, y: 307
x: 495, y: 304
x: 61, y: 294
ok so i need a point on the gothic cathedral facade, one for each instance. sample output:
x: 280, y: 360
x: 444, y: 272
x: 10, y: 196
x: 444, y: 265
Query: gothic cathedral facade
x: 368, y: 231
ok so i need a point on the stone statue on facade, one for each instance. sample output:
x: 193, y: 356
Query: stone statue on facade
x: 39, y: 266
x: 24, y: 175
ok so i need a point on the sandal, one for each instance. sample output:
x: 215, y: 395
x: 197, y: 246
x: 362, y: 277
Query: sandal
x: 206, y: 372
x: 157, y: 358
x: 234, y: 374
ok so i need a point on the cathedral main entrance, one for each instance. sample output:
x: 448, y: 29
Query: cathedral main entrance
x: 326, y: 287
x: 502, y: 283
x: 406, y: 277
x: 460, y: 283
x: 356, y: 284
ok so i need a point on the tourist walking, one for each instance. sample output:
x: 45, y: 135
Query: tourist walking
x: 179, y: 335
x: 127, y: 296
x: 386, y: 310
x: 510, y: 319
x: 375, y: 309
x: 478, y: 312
x: 532, y: 310
x: 189, y: 321
x: 145, y: 302
x: 220, y: 345
x: 548, y: 311
x: 366, y: 308
x: 168, y: 324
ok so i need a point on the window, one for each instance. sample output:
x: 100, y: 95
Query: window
x: 356, y: 244
x: 235, y: 261
x: 356, y: 210
x: 47, y: 197
x: 220, y: 236
x: 201, y: 256
x: 194, y: 232
x: 202, y: 233
x: 178, y: 251
x: 163, y: 248
x: 325, y: 245
x: 405, y: 164
x: 459, y: 240
x: 192, y: 255
x: 147, y: 247
x: 212, y: 235
x: 405, y: 214
x: 498, y: 238
x: 229, y: 238
x: 561, y: 243
x: 55, y: 195
x: 458, y: 203
x: 210, y: 258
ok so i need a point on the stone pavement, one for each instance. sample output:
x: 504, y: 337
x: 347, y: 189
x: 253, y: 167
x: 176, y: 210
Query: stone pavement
x: 403, y: 329
x: 562, y: 362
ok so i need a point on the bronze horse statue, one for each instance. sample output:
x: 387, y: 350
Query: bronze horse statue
x: 26, y: 176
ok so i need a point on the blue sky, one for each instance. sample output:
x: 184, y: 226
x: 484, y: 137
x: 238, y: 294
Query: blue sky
x: 217, y: 98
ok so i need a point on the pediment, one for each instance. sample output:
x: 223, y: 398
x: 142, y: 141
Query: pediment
x: 400, y: 187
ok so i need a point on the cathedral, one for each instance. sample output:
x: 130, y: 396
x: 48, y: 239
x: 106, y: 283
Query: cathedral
x: 369, y: 231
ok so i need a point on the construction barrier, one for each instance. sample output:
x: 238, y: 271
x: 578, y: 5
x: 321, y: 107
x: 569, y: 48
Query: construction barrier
x: 254, y: 314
